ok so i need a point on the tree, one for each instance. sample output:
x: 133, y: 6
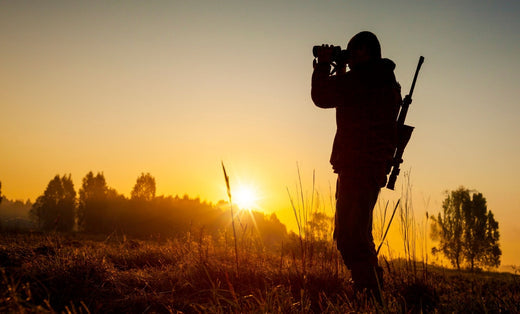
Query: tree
x: 0, y: 192
x: 320, y: 225
x: 144, y: 188
x: 93, y: 203
x: 467, y: 231
x: 55, y: 209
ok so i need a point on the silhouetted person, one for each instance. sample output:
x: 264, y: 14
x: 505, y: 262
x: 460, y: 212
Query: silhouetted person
x: 367, y: 100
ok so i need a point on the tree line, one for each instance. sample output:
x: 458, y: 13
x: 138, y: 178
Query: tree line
x: 98, y: 209
x: 466, y: 230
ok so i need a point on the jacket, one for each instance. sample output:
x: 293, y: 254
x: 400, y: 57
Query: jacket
x: 367, y: 101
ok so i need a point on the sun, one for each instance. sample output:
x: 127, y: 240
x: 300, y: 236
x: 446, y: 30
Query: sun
x: 245, y: 197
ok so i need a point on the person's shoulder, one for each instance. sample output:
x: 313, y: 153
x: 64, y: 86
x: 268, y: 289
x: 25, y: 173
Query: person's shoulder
x: 386, y: 64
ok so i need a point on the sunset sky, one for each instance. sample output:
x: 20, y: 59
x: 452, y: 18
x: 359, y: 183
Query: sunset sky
x: 175, y: 87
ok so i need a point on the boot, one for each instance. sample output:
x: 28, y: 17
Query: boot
x: 368, y: 279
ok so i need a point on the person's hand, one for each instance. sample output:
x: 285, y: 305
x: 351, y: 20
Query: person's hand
x: 341, y: 68
x: 325, y: 53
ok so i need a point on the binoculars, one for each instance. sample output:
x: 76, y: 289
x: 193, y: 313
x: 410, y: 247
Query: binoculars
x: 338, y: 55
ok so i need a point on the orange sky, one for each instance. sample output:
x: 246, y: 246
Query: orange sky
x: 174, y: 87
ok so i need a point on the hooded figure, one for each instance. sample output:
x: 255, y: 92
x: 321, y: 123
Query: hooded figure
x: 367, y: 100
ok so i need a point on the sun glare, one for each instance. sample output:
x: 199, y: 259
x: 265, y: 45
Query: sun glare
x: 245, y: 197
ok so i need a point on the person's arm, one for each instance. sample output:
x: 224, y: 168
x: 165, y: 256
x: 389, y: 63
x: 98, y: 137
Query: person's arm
x: 325, y: 91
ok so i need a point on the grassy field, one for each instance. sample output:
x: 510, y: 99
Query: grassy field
x: 78, y: 273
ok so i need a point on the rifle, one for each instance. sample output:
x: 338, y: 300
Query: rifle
x: 404, y: 132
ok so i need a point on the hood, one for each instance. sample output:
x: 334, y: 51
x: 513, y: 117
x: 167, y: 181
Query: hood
x: 383, y: 64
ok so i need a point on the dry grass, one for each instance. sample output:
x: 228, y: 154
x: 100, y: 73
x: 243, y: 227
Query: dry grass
x: 73, y: 273
x: 199, y: 274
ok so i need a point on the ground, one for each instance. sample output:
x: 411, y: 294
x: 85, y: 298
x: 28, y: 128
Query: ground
x: 74, y: 272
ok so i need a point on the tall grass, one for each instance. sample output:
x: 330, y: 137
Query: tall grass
x: 195, y: 273
x: 135, y: 276
x: 226, y: 178
x: 414, y: 234
x: 407, y: 224
x: 385, y: 233
x: 301, y: 215
x: 315, y: 226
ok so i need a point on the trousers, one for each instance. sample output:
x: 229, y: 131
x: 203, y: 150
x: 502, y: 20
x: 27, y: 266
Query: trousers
x: 357, y: 191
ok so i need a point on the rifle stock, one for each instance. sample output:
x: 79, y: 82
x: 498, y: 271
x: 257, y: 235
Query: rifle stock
x: 404, y: 132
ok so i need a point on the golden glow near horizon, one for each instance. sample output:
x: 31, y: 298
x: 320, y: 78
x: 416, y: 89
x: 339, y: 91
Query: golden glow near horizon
x: 174, y: 87
x: 246, y: 198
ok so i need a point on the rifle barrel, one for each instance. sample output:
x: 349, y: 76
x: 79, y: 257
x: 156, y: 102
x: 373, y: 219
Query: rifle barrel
x: 403, y: 130
x: 421, y: 60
